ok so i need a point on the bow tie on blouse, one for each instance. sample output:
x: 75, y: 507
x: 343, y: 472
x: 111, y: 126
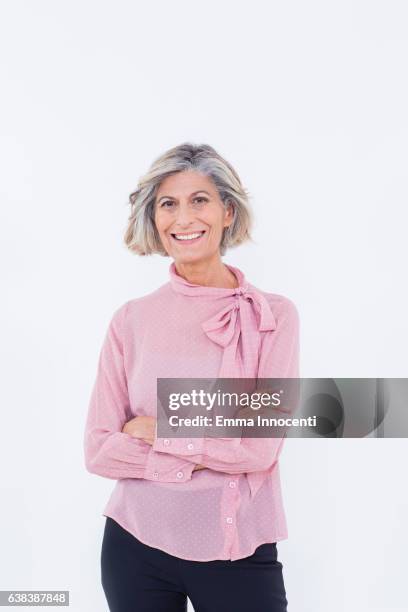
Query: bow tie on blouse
x: 236, y: 327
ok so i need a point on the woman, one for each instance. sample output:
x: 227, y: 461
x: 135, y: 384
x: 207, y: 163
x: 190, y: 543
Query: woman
x: 198, y: 517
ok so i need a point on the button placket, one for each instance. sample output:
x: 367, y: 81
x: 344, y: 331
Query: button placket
x: 232, y: 485
x: 229, y: 507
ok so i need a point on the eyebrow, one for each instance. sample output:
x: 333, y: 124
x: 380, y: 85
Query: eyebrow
x: 194, y: 193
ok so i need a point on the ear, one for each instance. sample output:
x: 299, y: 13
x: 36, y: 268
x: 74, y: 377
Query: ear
x: 229, y: 215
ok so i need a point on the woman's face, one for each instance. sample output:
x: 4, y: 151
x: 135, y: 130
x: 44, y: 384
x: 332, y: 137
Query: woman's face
x: 190, y: 216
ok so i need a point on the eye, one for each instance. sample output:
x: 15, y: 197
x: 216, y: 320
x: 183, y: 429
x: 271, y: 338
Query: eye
x: 170, y: 203
x: 202, y: 198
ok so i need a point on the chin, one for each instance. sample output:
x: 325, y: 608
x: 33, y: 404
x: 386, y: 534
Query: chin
x: 188, y: 258
x: 193, y: 258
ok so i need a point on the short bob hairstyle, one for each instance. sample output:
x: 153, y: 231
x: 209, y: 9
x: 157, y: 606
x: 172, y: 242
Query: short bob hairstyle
x: 141, y: 235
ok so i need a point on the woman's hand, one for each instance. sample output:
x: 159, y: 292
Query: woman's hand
x: 199, y: 467
x: 142, y: 427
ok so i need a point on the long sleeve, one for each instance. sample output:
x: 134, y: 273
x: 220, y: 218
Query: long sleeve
x: 108, y: 451
x: 279, y: 359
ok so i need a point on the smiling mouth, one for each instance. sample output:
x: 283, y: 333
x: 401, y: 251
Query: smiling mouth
x: 188, y: 238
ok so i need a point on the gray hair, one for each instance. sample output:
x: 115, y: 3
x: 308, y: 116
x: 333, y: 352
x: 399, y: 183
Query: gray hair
x: 141, y: 235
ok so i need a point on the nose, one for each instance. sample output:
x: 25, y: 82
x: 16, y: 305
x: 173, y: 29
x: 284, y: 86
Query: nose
x: 184, y: 215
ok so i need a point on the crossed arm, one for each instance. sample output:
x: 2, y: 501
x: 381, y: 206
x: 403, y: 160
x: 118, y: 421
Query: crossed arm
x: 118, y: 446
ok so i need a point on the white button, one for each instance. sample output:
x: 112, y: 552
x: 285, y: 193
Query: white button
x: 155, y: 474
x: 232, y: 484
x: 229, y: 519
x: 190, y: 446
x: 180, y: 474
x: 166, y: 442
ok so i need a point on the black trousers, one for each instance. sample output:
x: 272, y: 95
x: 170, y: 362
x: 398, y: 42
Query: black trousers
x: 139, y: 578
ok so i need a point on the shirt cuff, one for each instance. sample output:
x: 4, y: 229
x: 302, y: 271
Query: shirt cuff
x: 198, y: 447
x: 179, y: 446
x: 163, y: 467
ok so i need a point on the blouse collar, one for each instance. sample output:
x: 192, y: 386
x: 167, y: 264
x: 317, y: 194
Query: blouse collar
x: 181, y: 285
x: 243, y: 295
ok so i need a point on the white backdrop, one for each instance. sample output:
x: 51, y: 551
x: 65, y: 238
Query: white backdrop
x: 308, y: 101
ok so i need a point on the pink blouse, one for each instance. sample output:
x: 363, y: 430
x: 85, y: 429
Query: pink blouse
x: 182, y: 330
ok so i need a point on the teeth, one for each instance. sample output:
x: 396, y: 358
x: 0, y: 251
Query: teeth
x: 187, y: 236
